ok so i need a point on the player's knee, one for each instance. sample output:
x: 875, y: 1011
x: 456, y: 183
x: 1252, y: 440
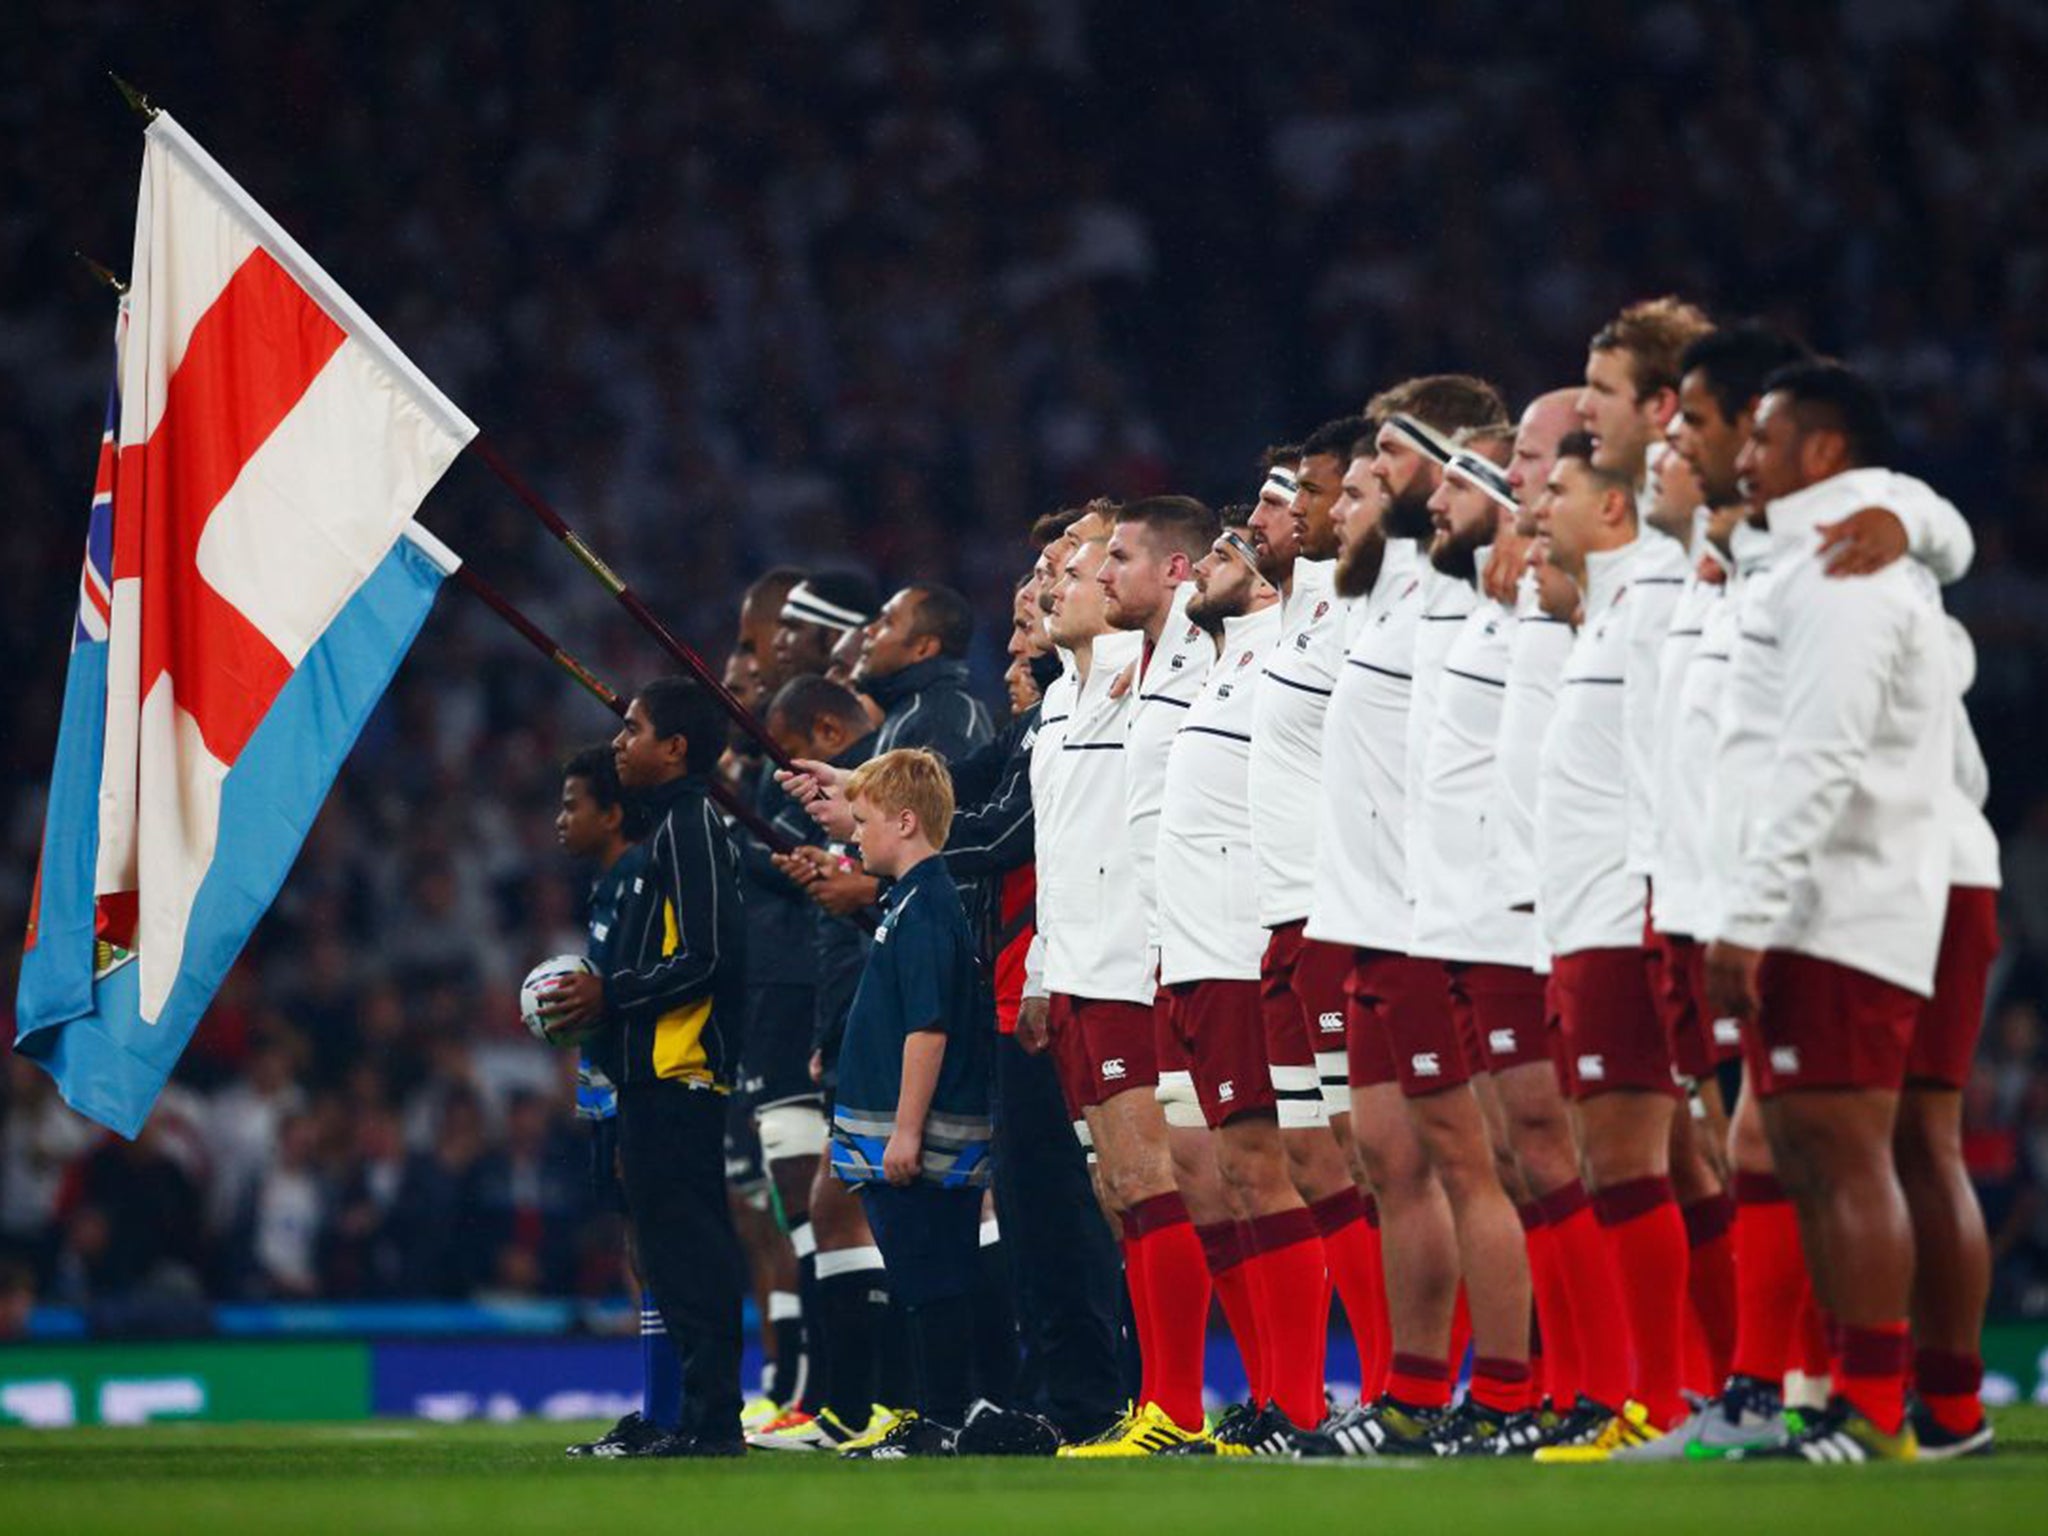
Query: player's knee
x: 791, y: 1130
x: 1252, y: 1168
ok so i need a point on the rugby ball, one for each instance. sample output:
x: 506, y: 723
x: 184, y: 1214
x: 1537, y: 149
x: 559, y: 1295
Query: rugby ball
x: 539, y: 982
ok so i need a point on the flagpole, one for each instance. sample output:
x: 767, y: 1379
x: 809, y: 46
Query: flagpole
x: 608, y: 696
x: 630, y: 600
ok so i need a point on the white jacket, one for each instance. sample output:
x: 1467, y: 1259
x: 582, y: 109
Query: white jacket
x: 1447, y: 602
x: 1850, y: 858
x: 1172, y: 678
x: 1208, y: 910
x: 1694, y: 671
x: 1361, y: 833
x: 1287, y: 741
x: 1459, y: 913
x: 1585, y: 896
x: 1973, y: 845
x: 1746, y: 736
x: 1538, y: 648
x: 1088, y: 904
x: 1663, y: 570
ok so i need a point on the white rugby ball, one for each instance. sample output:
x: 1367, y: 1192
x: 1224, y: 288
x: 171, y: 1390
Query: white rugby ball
x: 539, y: 982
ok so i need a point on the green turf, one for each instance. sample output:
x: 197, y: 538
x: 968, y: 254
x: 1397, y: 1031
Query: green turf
x: 501, y: 1479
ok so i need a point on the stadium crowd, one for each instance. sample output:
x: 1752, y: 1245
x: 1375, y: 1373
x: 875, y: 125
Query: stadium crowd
x: 919, y: 308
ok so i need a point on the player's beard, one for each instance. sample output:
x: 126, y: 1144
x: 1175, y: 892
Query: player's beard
x: 1453, y: 553
x: 1407, y: 515
x: 1207, y: 612
x: 1358, y: 566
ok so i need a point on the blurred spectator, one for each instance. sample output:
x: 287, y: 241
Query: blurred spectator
x: 133, y: 1225
x: 437, y: 1224
x: 242, y: 1130
x: 289, y: 1209
x: 361, y: 1256
x: 17, y: 1297
x: 39, y: 1138
x: 529, y: 1195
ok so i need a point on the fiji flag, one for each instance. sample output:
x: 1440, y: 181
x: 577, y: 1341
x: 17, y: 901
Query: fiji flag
x: 253, y: 578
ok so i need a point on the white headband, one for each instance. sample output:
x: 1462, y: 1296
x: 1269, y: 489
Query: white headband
x: 1483, y: 473
x: 1422, y: 435
x: 804, y: 606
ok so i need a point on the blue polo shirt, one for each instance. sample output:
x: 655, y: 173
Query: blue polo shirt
x: 920, y: 975
x: 596, y: 1098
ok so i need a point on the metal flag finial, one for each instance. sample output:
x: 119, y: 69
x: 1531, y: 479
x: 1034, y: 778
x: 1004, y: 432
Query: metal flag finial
x: 104, y: 273
x: 140, y: 104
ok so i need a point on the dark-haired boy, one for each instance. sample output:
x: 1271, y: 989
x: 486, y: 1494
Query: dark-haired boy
x: 669, y: 1012
x: 599, y: 828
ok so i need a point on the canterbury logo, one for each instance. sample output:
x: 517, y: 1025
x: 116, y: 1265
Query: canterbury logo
x: 1225, y: 1092
x: 1785, y: 1058
x: 1727, y: 1032
x: 1330, y: 1023
x: 1426, y: 1064
x: 1500, y: 1041
x: 1114, y: 1067
x: 1593, y: 1068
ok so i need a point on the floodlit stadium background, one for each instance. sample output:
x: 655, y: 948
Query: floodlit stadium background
x: 833, y: 283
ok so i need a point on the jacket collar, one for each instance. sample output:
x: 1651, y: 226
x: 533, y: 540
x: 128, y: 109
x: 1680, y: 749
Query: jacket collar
x: 903, y: 887
x: 1794, y: 518
x: 933, y: 672
x: 1607, y: 573
x: 663, y: 798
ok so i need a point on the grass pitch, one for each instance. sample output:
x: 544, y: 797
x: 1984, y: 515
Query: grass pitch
x: 501, y: 1479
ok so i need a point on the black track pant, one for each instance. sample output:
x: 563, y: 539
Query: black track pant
x: 672, y: 1158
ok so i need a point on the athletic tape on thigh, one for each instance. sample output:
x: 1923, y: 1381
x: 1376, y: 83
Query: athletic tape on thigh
x: 1334, y: 1069
x: 1303, y: 1114
x: 991, y: 1233
x: 803, y: 1240
x: 1299, y: 1092
x: 791, y: 1130
x: 1176, y: 1096
x: 784, y: 1306
x: 848, y: 1261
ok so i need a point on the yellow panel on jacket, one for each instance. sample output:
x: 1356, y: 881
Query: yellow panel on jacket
x: 679, y: 1033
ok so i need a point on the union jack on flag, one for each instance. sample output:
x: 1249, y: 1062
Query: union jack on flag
x: 96, y: 579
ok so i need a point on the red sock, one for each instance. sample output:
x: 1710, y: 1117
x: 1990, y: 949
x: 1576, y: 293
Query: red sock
x: 1372, y: 1373
x: 1141, y: 1306
x: 1461, y: 1331
x: 1647, y: 1236
x: 1292, y: 1288
x: 1177, y: 1289
x: 1560, y: 1378
x: 1419, y: 1381
x: 1770, y: 1276
x: 1500, y: 1386
x: 1873, y: 1375
x: 1710, y: 1283
x: 1593, y: 1291
x: 1350, y: 1249
x: 1950, y: 1384
x: 1223, y: 1249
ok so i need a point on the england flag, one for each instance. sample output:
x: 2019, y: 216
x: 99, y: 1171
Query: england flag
x: 253, y: 578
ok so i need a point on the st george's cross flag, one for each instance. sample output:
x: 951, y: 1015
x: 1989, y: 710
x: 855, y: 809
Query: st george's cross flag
x: 253, y: 578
